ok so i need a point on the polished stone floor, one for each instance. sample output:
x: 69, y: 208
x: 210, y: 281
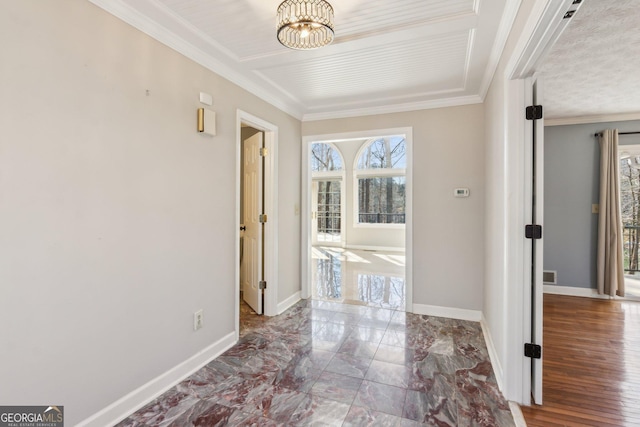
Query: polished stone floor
x: 359, y: 277
x: 328, y: 364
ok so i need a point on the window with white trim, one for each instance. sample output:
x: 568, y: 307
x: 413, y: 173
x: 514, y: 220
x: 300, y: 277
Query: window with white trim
x: 326, y: 171
x: 380, y: 177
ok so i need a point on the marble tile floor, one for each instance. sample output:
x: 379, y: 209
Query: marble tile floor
x: 327, y: 364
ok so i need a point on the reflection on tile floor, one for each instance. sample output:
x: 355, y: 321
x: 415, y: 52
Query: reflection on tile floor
x: 327, y: 364
x: 369, y: 278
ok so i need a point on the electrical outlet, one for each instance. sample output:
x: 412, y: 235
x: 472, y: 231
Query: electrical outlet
x: 595, y: 208
x: 198, y: 320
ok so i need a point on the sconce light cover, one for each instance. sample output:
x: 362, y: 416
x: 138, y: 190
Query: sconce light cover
x: 206, y: 122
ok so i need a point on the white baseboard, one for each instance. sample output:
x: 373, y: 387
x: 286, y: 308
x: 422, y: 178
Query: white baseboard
x: 450, y: 312
x: 135, y: 400
x: 518, y: 417
x: 493, y: 354
x: 284, y: 305
x: 573, y: 291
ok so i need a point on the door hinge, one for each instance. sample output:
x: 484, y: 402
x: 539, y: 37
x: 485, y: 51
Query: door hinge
x: 262, y: 284
x: 533, y: 351
x: 533, y: 112
x: 533, y: 231
x: 263, y: 152
x: 262, y: 218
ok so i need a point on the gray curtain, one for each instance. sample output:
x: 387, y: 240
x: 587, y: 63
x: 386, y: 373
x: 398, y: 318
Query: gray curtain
x: 610, y: 259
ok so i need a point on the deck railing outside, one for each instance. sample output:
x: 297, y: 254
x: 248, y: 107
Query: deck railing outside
x: 630, y: 247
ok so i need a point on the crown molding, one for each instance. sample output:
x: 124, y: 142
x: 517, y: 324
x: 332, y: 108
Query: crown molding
x: 504, y: 29
x: 168, y: 37
x: 394, y: 108
x: 162, y: 24
x: 601, y: 118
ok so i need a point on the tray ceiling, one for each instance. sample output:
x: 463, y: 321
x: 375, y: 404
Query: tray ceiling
x: 387, y: 55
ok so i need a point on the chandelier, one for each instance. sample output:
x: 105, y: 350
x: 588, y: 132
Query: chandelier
x: 305, y: 24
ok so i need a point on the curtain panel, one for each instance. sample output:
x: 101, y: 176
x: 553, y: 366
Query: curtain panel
x: 610, y: 258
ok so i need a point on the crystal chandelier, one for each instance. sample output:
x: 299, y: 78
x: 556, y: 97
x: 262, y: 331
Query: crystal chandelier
x: 305, y: 24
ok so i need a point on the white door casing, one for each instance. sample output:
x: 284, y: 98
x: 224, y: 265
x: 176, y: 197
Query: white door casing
x: 535, y: 129
x: 270, y: 241
x: 543, y: 26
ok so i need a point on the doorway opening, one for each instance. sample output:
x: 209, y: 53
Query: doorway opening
x: 356, y: 243
x: 256, y: 217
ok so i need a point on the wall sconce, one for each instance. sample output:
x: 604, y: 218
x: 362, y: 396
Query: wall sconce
x: 206, y: 122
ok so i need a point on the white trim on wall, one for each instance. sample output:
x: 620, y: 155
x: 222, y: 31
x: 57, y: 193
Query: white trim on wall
x: 394, y: 108
x: 603, y: 118
x: 126, y: 405
x: 542, y: 28
x: 493, y: 354
x: 288, y: 303
x: 573, y: 291
x: 449, y: 312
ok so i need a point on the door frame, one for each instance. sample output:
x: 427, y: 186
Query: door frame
x: 306, y: 241
x: 271, y: 209
x: 542, y: 29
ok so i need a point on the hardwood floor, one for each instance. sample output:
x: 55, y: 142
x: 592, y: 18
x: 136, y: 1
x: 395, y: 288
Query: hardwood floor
x: 591, y: 365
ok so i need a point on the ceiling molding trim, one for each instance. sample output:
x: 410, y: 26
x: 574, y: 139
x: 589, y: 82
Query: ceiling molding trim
x: 504, y: 29
x: 163, y: 35
x: 601, y: 118
x: 545, y: 33
x: 467, y: 60
x: 397, y: 108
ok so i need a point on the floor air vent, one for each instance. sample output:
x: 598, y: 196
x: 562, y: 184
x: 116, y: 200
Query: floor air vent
x: 550, y: 277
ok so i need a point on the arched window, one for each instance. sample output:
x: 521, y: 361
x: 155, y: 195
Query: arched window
x: 326, y: 172
x: 380, y: 176
x: 325, y: 158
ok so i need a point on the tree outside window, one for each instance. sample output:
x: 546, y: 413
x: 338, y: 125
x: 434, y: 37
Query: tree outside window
x: 326, y: 167
x: 630, y: 205
x: 380, y: 176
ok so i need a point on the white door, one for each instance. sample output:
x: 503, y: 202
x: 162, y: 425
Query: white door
x: 251, y: 268
x: 536, y: 218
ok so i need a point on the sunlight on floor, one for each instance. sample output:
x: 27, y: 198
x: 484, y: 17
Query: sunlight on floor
x: 632, y: 286
x: 359, y: 277
x: 394, y: 259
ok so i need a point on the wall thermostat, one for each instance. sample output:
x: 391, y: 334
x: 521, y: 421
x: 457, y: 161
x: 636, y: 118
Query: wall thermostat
x: 461, y: 192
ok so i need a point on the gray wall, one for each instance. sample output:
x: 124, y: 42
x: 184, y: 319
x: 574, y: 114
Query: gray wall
x: 571, y: 171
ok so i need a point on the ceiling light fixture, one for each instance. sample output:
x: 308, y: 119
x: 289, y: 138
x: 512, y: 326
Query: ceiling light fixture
x: 305, y: 24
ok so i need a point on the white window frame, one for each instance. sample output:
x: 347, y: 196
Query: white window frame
x: 369, y: 173
x: 335, y: 175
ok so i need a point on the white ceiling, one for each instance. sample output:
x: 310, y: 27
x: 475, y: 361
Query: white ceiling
x: 387, y: 55
x: 594, y: 67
